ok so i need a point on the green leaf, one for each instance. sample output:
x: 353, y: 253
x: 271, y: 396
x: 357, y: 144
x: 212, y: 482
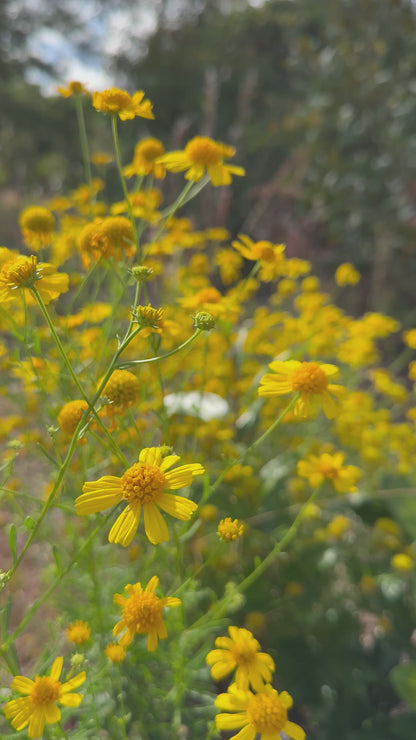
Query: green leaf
x: 13, y: 542
x: 403, y: 678
x: 29, y: 523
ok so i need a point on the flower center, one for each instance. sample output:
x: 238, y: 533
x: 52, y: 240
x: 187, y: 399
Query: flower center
x: 266, y: 713
x: 45, y: 691
x: 142, y: 484
x: 328, y: 469
x: 20, y: 273
x: 209, y: 295
x: 202, y: 150
x: 150, y: 150
x: 309, y: 378
x: 264, y: 250
x: 243, y: 654
x: 143, y: 612
x: 115, y: 100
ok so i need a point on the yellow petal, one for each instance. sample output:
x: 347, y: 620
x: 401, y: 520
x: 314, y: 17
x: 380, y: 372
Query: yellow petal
x: 154, y: 525
x: 177, y: 506
x: 125, y: 526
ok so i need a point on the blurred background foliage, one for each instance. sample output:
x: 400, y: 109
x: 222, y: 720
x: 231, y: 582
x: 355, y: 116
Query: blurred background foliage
x: 318, y: 98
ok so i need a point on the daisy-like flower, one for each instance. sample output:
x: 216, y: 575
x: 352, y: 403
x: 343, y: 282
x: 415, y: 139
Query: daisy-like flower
x: 37, y: 224
x: 230, y: 529
x: 146, y: 152
x: 115, y: 652
x: 262, y: 250
x: 240, y: 652
x: 38, y: 704
x: 142, y: 612
x: 24, y: 273
x: 262, y: 715
x: 309, y: 379
x: 202, y: 154
x: 73, y: 88
x: 116, y: 102
x: 78, y: 632
x: 144, y: 486
x: 346, y: 274
x: 317, y: 468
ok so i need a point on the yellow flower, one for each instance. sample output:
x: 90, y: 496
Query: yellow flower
x: 240, y: 652
x: 78, y: 632
x: 329, y: 467
x: 402, y: 562
x: 115, y: 652
x: 309, y: 379
x: 109, y: 237
x: 409, y: 337
x: 202, y: 154
x: 116, y: 102
x: 38, y: 705
x: 70, y: 415
x: 122, y: 390
x: 37, y: 225
x: 146, y: 152
x: 142, y: 612
x: 262, y: 250
x: 144, y: 486
x: 230, y: 529
x: 263, y: 714
x: 24, y: 273
x: 73, y: 88
x: 346, y: 274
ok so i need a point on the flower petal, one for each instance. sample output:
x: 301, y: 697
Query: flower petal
x: 22, y: 684
x: 154, y: 525
x: 125, y: 526
x: 73, y: 683
x: 56, y: 669
x: 177, y: 506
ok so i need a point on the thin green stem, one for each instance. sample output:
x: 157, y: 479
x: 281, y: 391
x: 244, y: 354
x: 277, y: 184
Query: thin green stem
x: 123, y: 182
x: 83, y: 138
x: 131, y: 363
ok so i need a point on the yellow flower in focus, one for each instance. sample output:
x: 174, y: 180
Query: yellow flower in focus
x: 142, y: 612
x: 240, y: 652
x: 24, y: 273
x: 230, y: 529
x: 115, y: 652
x: 202, y: 154
x: 37, y: 224
x: 346, y: 274
x: 116, y: 102
x: 329, y: 467
x: 143, y: 486
x: 78, y: 632
x: 262, y: 715
x: 146, y: 152
x: 38, y: 705
x: 73, y: 88
x: 309, y: 379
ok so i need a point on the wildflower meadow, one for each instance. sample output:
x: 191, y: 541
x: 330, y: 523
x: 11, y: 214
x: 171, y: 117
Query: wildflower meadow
x: 207, y: 474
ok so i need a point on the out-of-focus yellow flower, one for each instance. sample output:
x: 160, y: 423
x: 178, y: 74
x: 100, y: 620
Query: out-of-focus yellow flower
x: 262, y: 715
x: 339, y: 525
x: 146, y: 152
x: 143, y: 486
x: 409, y: 337
x: 78, y: 632
x: 116, y: 102
x: 38, y: 704
x: 73, y: 88
x: 101, y: 158
x: 142, y: 612
x: 202, y: 154
x: 122, y: 390
x: 109, y: 237
x: 329, y: 467
x: 70, y: 415
x: 402, y: 562
x: 24, y: 273
x: 37, y: 224
x: 309, y: 379
x: 346, y: 274
x: 240, y: 652
x: 115, y: 652
x: 230, y: 529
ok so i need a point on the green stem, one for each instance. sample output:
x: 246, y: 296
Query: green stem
x: 190, y: 339
x: 123, y: 182
x: 83, y: 138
